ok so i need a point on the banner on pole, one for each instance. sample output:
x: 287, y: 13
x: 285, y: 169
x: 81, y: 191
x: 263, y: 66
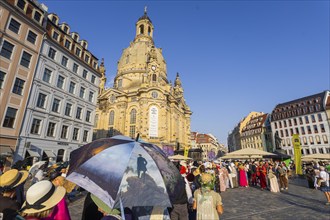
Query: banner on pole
x: 297, y: 153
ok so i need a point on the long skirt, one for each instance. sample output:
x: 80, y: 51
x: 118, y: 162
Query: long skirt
x: 242, y: 178
x: 274, y: 184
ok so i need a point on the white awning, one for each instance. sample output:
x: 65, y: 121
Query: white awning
x: 49, y: 153
x: 33, y: 153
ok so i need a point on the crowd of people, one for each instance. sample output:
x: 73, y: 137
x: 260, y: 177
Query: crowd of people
x: 49, y: 192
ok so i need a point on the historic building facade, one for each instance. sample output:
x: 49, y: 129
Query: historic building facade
x: 21, y: 36
x: 309, y: 117
x: 142, y: 100
x: 257, y: 133
x: 61, y: 108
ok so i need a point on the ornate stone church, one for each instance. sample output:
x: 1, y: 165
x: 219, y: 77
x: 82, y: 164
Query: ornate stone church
x: 142, y: 100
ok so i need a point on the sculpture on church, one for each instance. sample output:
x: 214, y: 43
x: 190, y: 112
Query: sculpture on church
x: 103, y: 77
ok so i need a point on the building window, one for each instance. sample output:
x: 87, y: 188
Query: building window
x: 51, y: 129
x: 72, y: 87
x: 318, y: 139
x: 133, y: 116
x: 14, y: 26
x: 37, y: 16
x: 75, y: 68
x: 55, y: 35
x: 64, y: 61
x: 68, y: 109
x: 21, y: 4
x: 47, y: 75
x: 32, y: 37
x: 284, y: 123
x: 322, y: 128
x: 275, y: 124
x: 41, y: 100
x: 56, y: 105
x: 86, y: 58
x: 300, y: 120
x: 91, y: 96
x: 10, y: 118
x: 51, y: 53
x: 25, y: 60
x: 290, y: 123
x: 295, y: 121
x: 7, y: 49
x: 18, y: 86
x: 67, y: 44
x: 286, y: 133
x: 305, y: 140
x: 82, y: 92
x: 75, y: 134
x: 297, y: 130
x: 78, y: 114
x: 112, y: 117
x: 311, y: 140
x: 65, y: 29
x: 132, y: 131
x: 78, y: 51
x: 306, y: 119
x: 85, y: 136
x: 88, y: 116
x: 93, y: 79
x: 64, y: 131
x: 314, y: 151
x: 319, y: 116
x: 313, y: 118
x: 291, y: 131
x: 302, y: 130
x: 325, y: 138
x: 281, y: 132
x: 315, y: 129
x: 94, y: 65
x: 2, y: 78
x: 84, y: 74
x: 309, y: 130
x: 54, y: 20
x: 35, y: 126
x: 60, y: 82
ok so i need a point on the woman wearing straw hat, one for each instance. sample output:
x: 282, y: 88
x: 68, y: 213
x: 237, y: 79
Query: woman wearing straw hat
x: 205, y: 199
x: 8, y: 183
x: 42, y: 201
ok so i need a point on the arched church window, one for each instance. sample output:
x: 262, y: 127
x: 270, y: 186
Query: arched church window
x: 141, y: 29
x: 133, y: 116
x: 149, y: 31
x: 96, y: 120
x: 154, y: 77
x: 112, y: 117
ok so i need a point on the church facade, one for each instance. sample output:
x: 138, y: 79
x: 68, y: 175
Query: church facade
x: 142, y: 100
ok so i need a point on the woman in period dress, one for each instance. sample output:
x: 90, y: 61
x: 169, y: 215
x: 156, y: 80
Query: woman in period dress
x: 273, y: 179
x: 223, y: 178
x: 242, y: 176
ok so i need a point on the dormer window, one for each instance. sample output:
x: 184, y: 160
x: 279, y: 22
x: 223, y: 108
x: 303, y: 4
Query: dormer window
x: 54, y: 20
x: 37, y: 16
x: 86, y: 58
x: 84, y: 45
x: 78, y: 51
x: 75, y: 37
x: 65, y: 29
x: 21, y: 4
x: 55, y: 35
x: 67, y: 44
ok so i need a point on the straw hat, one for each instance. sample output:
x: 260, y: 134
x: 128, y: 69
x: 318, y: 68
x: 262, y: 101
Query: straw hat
x: 42, y: 196
x: 206, y: 178
x: 104, y: 206
x: 13, y: 178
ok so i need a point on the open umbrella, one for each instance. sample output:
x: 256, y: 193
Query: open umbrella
x: 179, y: 157
x: 33, y: 169
x: 250, y: 152
x: 240, y: 157
x: 316, y: 156
x: 120, y: 170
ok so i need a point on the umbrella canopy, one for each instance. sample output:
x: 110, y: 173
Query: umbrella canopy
x: 179, y: 157
x: 240, y: 157
x: 279, y: 154
x: 119, y: 169
x: 317, y: 156
x: 250, y: 152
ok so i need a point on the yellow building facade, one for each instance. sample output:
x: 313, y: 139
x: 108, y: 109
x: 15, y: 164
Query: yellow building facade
x: 142, y: 100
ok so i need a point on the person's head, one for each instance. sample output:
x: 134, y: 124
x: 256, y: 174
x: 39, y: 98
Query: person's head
x: 58, y: 181
x: 202, y: 169
x: 41, y: 198
x: 206, y: 180
x: 10, y: 180
x: 102, y: 207
x: 322, y: 168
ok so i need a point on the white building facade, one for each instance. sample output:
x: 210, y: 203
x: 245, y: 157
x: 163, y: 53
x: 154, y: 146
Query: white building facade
x: 309, y: 118
x: 61, y: 107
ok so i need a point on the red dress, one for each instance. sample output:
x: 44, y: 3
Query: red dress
x: 242, y: 177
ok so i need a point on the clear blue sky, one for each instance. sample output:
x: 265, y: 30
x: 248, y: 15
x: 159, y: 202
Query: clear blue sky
x: 233, y: 57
